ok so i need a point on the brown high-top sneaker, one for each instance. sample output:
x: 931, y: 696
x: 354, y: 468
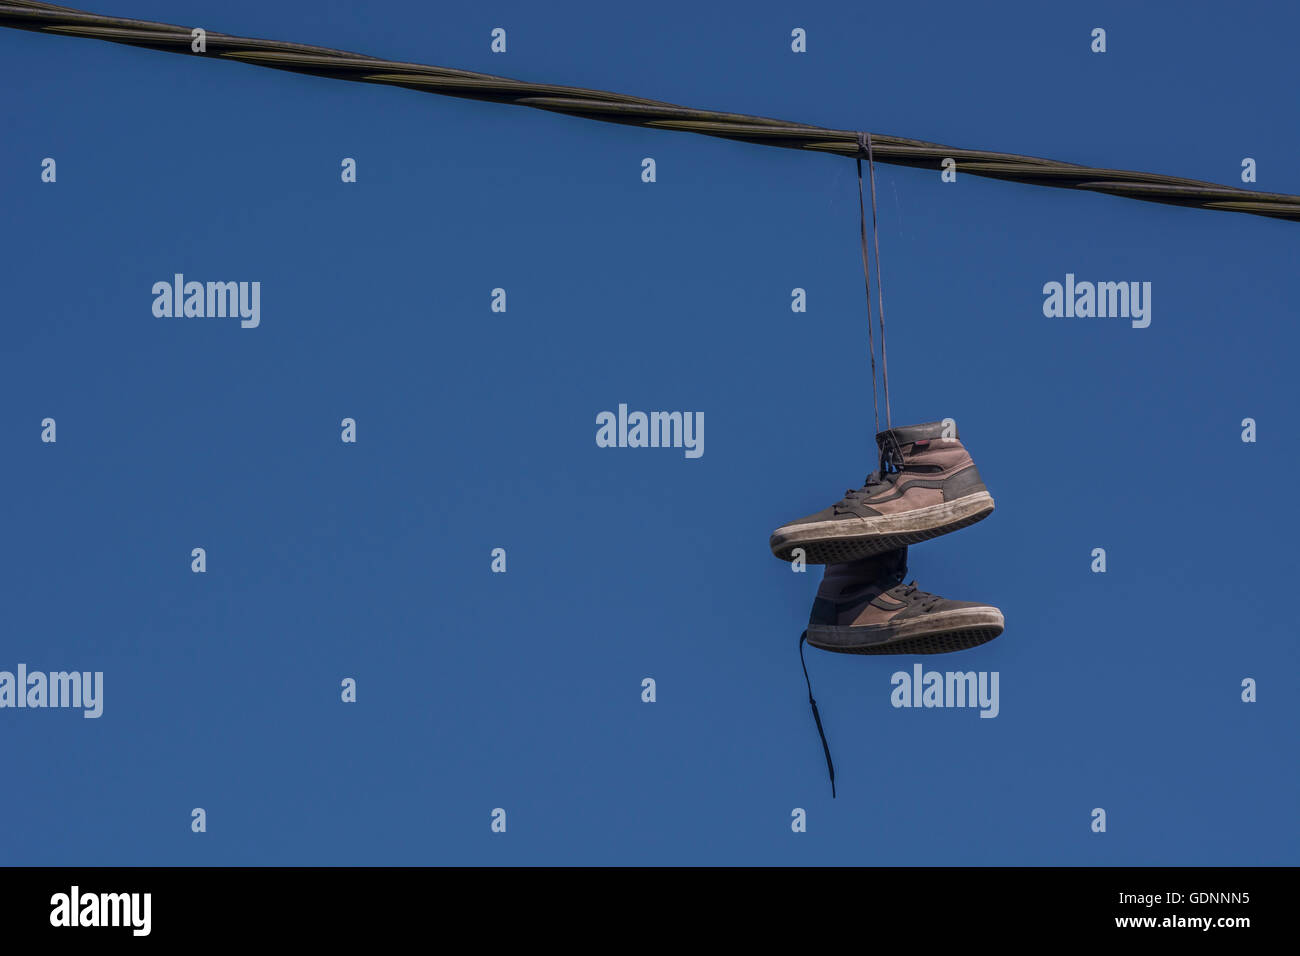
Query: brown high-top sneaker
x: 865, y: 608
x: 927, y: 485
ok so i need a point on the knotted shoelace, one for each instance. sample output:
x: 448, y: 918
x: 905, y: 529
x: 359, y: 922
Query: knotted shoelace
x: 910, y: 593
x: 891, y: 467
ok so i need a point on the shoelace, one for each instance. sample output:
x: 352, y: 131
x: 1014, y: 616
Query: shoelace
x: 891, y: 466
x: 908, y: 592
x: 914, y: 595
x: 817, y: 716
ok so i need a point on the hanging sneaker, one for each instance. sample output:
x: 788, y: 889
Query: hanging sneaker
x: 865, y: 608
x: 927, y: 485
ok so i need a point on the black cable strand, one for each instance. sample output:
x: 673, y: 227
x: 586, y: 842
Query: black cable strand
x: 621, y: 108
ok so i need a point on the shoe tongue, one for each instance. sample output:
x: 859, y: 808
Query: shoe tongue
x: 890, y: 437
x: 929, y: 431
x: 891, y: 448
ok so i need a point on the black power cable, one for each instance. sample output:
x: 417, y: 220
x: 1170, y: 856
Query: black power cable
x: 620, y: 108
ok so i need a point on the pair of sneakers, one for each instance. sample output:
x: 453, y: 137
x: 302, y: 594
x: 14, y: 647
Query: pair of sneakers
x: 927, y: 485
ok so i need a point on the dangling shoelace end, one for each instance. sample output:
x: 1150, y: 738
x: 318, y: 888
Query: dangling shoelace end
x: 830, y: 767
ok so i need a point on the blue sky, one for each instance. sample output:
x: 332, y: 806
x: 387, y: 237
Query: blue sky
x: 476, y: 430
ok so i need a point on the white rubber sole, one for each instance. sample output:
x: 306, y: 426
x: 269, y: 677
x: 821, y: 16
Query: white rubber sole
x: 850, y: 539
x: 938, y: 633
